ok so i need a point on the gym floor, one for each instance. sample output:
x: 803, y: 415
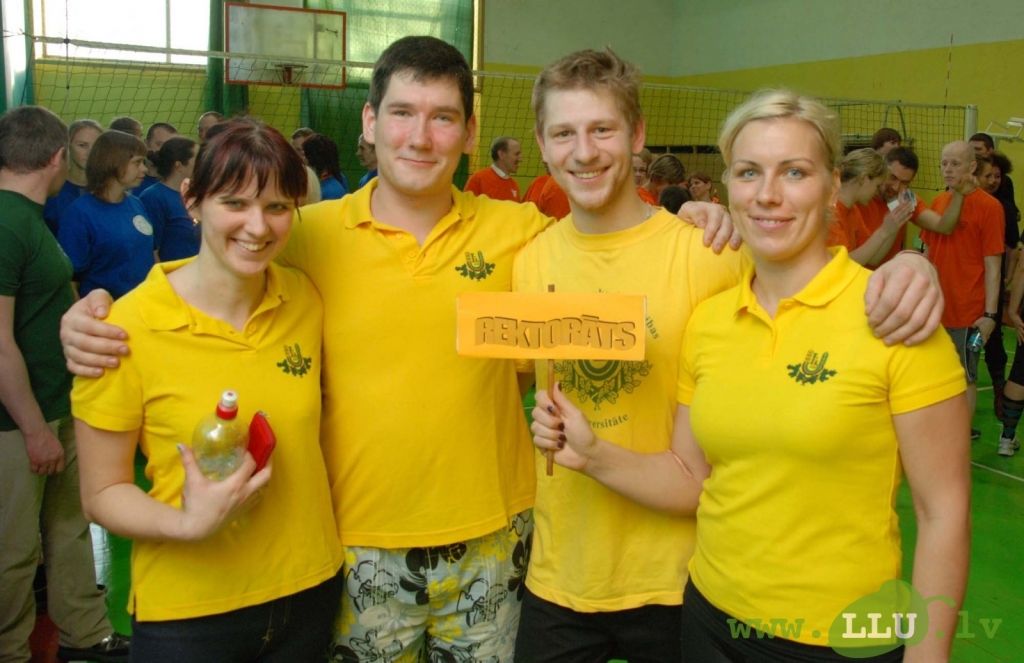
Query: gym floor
x: 990, y: 627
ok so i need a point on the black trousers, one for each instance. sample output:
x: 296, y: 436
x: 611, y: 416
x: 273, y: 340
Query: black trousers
x: 291, y: 629
x: 549, y: 633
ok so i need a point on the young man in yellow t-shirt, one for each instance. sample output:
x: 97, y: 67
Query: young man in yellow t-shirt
x: 606, y: 575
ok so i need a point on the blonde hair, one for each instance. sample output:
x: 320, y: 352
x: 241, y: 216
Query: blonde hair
x: 779, y: 104
x: 591, y: 70
x: 864, y: 162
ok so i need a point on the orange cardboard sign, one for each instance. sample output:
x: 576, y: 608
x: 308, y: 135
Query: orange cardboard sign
x: 557, y: 325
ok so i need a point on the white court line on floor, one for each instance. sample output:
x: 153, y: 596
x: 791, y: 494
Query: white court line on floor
x: 999, y: 472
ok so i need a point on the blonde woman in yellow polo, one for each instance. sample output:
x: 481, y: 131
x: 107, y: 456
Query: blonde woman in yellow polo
x: 794, y: 427
x: 217, y: 574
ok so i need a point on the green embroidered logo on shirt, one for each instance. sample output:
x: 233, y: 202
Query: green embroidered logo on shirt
x: 475, y: 267
x: 812, y: 370
x: 294, y: 363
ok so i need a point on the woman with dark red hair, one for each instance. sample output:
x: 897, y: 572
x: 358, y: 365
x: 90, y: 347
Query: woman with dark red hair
x: 243, y: 568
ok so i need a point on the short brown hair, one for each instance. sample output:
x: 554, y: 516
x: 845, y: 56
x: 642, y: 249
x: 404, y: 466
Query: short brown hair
x: 667, y: 168
x: 128, y: 125
x: 109, y: 156
x: 29, y: 137
x: 590, y: 69
x: 885, y: 135
x: 424, y: 59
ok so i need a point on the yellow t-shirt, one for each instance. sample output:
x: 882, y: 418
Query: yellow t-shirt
x: 794, y: 415
x: 423, y: 447
x: 181, y: 361
x: 594, y: 550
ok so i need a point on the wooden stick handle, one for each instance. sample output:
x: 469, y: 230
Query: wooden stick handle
x: 550, y: 453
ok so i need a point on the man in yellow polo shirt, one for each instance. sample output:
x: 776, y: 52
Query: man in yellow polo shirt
x: 430, y: 461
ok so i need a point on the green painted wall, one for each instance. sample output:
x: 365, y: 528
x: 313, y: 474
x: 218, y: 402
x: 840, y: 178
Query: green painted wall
x: 981, y: 74
x: 869, y: 49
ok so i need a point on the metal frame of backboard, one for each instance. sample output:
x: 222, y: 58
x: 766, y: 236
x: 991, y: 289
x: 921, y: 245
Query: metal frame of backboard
x: 244, y: 24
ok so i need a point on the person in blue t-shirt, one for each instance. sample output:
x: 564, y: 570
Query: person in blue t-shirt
x: 106, y: 232
x: 322, y: 156
x: 83, y: 134
x: 367, y: 155
x: 156, y: 136
x: 175, y: 234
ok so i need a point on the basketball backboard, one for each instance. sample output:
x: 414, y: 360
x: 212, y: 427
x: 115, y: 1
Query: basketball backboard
x: 284, y: 45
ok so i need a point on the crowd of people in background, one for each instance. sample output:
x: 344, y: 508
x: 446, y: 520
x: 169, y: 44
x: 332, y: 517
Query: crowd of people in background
x: 237, y: 247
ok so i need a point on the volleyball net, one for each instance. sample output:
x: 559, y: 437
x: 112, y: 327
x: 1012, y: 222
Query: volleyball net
x: 101, y: 81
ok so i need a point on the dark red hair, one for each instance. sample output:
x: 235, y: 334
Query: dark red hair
x: 242, y: 150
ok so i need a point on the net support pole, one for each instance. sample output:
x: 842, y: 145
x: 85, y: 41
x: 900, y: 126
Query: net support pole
x: 970, y: 120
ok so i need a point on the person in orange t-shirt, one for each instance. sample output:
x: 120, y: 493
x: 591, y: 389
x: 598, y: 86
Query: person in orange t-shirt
x: 496, y: 180
x: 532, y: 194
x: 646, y: 195
x: 903, y: 164
x: 861, y: 173
x: 969, y: 259
x: 553, y: 201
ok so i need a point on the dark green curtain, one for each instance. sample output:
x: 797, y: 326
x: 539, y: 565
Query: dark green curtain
x: 217, y: 95
x: 22, y: 82
x: 371, y: 25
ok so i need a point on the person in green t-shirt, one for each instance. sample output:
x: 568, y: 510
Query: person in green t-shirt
x: 39, y: 490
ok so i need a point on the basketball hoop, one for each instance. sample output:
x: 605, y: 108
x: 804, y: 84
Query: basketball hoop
x: 1011, y: 131
x: 290, y: 73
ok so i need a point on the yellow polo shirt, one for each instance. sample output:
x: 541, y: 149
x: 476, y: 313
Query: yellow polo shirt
x: 181, y: 361
x: 423, y: 447
x: 594, y: 550
x: 794, y: 414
